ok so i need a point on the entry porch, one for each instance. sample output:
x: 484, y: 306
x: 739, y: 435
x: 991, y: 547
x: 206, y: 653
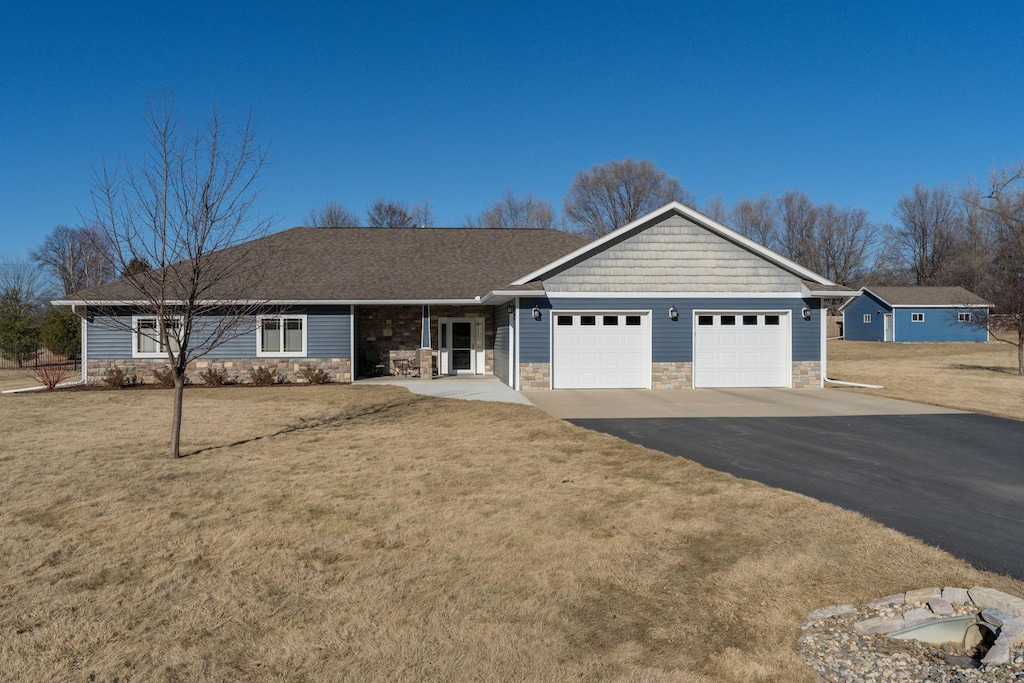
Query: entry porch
x: 395, y: 340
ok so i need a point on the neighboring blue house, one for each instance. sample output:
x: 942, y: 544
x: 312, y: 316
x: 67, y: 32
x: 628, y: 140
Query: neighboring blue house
x: 915, y: 314
x: 672, y: 300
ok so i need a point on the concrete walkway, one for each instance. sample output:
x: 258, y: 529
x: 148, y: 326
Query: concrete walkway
x: 465, y: 388
x: 643, y: 403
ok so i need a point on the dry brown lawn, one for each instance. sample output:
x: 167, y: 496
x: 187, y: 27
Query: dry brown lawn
x: 372, y: 534
x: 17, y: 379
x: 976, y: 377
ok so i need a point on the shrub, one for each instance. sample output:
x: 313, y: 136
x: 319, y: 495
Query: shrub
x: 165, y: 378
x: 263, y: 377
x: 115, y: 378
x: 211, y: 377
x: 315, y: 375
x: 50, y: 375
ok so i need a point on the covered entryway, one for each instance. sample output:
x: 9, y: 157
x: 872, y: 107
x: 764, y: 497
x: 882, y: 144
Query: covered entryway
x: 601, y: 350
x: 741, y: 349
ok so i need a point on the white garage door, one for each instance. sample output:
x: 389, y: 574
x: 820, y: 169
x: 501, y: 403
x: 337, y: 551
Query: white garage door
x: 741, y: 349
x: 598, y: 350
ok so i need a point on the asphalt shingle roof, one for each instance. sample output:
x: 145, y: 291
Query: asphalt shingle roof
x: 330, y: 264
x: 928, y: 296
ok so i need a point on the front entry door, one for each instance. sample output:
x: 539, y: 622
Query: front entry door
x: 461, y: 345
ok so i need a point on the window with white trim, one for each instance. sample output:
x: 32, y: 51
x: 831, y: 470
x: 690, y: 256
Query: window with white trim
x: 281, y: 335
x: 917, y: 317
x: 867, y: 317
x: 963, y: 317
x: 146, y: 336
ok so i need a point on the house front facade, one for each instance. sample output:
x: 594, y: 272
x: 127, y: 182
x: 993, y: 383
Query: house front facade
x: 673, y: 300
x: 915, y: 314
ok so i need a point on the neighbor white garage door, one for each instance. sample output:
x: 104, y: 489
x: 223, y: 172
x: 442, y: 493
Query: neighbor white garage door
x: 741, y: 349
x: 599, y: 350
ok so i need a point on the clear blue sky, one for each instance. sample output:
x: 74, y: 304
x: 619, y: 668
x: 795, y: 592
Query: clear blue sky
x: 850, y: 101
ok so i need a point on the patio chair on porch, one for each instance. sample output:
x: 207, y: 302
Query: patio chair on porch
x: 372, y: 358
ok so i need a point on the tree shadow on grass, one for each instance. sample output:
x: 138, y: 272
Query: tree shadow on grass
x: 999, y: 369
x: 307, y: 424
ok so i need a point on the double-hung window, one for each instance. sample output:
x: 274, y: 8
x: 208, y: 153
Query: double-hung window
x: 963, y: 317
x: 917, y: 317
x: 281, y: 335
x: 147, y: 338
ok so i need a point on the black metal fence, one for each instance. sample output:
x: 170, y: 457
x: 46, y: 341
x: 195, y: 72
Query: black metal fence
x: 23, y: 358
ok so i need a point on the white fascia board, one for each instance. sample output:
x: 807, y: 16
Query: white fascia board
x: 698, y: 218
x: 856, y: 295
x: 503, y: 296
x: 275, y: 302
x: 674, y: 295
x: 940, y: 306
x: 864, y: 290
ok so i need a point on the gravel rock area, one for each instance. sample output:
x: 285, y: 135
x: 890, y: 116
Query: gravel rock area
x: 840, y: 653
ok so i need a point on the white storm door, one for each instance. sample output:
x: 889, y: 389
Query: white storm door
x: 741, y: 349
x: 460, y: 343
x: 600, y: 350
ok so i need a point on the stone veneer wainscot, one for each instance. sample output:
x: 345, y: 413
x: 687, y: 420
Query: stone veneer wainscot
x: 237, y: 369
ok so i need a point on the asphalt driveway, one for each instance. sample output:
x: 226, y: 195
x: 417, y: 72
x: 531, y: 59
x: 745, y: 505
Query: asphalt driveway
x: 951, y: 479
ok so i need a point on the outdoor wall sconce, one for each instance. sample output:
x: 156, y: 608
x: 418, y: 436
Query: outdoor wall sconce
x: 536, y: 313
x: 806, y: 313
x: 673, y: 313
x: 511, y: 308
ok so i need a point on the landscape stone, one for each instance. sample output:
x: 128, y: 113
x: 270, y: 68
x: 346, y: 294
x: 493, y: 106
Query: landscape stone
x: 917, y: 615
x: 923, y: 595
x: 1012, y: 633
x: 940, y: 607
x: 880, y: 625
x: 997, y: 654
x: 956, y: 596
x: 897, y: 599
x: 831, y: 611
x: 982, y: 597
x: 996, y: 616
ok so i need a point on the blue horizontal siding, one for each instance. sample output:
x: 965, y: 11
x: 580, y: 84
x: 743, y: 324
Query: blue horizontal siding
x: 854, y: 327
x: 671, y: 340
x: 501, y: 337
x: 328, y: 336
x: 940, y: 325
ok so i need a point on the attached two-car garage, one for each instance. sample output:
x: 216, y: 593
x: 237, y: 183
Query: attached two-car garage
x: 612, y: 350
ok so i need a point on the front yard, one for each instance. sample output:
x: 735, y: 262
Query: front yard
x: 369, y: 534
x: 974, y: 377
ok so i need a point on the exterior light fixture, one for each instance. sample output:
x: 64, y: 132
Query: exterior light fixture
x: 806, y: 313
x: 511, y: 308
x: 673, y: 313
x: 536, y: 313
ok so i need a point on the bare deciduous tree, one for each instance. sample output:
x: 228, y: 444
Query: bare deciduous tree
x: 610, y: 195
x: 757, y: 219
x: 797, y: 219
x: 390, y: 213
x: 184, y: 209
x: 1005, y: 204
x: 332, y: 215
x: 843, y: 239
x: 77, y: 258
x: 513, y: 211
x: 715, y: 209
x: 928, y: 233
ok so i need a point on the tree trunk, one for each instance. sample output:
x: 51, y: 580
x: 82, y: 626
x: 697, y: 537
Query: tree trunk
x: 179, y: 395
x: 1020, y: 353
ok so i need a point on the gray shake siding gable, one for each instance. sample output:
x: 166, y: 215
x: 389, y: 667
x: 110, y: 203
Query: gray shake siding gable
x: 672, y: 340
x: 327, y: 336
x: 672, y: 254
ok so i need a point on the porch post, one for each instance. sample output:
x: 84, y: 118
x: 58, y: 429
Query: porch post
x: 424, y: 356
